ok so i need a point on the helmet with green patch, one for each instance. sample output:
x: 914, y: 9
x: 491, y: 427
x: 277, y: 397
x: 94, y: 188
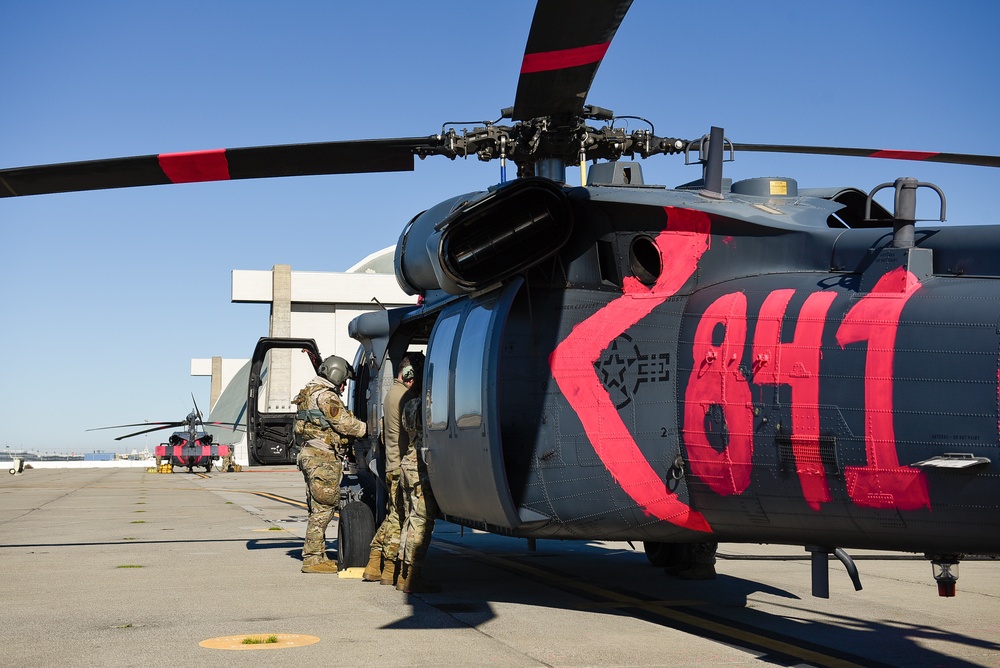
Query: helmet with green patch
x: 412, y: 366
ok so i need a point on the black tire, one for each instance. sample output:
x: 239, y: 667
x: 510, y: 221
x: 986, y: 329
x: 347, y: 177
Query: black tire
x: 662, y: 554
x: 355, y: 530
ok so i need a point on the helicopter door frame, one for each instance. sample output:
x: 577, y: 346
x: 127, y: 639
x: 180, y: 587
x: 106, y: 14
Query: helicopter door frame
x: 270, y: 440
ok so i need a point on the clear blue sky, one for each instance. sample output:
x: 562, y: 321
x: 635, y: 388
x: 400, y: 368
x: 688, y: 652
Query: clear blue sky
x: 108, y: 295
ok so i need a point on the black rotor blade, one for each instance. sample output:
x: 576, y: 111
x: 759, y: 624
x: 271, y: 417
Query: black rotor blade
x: 228, y: 425
x: 566, y: 44
x: 347, y: 157
x: 926, y: 156
x: 139, y: 424
x: 146, y: 431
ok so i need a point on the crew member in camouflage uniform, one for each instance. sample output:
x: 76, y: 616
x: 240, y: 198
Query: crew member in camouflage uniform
x: 325, y: 428
x: 383, y: 563
x: 421, y: 508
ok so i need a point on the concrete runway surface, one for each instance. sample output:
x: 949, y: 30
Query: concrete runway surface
x: 119, y: 567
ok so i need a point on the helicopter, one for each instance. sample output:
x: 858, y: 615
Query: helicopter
x: 191, y: 447
x: 721, y: 361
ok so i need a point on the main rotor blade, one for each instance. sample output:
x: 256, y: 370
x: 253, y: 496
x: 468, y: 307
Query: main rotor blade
x: 235, y: 426
x: 347, y: 157
x: 146, y: 431
x: 566, y: 44
x: 139, y: 424
x: 926, y: 156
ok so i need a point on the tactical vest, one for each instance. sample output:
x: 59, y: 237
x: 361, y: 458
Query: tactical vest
x: 312, y: 423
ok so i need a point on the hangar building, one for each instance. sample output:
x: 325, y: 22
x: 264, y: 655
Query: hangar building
x: 304, y: 304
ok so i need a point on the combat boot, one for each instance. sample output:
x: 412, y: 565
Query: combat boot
x: 373, y: 571
x: 402, y: 576
x: 320, y: 567
x: 414, y: 583
x: 390, y: 572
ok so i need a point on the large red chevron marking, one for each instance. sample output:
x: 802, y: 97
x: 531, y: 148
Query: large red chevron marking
x: 681, y: 246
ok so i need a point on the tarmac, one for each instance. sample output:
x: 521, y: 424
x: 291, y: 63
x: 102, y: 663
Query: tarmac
x: 120, y: 567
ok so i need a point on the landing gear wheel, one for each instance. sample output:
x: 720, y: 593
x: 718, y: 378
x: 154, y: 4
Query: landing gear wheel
x: 662, y: 554
x: 355, y: 531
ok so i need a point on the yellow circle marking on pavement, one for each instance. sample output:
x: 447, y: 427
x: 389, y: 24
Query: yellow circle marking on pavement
x: 285, y: 640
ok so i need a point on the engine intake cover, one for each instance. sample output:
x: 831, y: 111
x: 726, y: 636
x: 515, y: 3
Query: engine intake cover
x: 485, y: 238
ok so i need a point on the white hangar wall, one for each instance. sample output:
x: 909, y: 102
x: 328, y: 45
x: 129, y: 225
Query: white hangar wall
x: 304, y: 304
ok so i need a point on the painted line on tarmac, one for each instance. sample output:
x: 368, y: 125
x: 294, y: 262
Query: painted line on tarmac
x: 266, y: 495
x: 274, y: 497
x: 663, y: 609
x: 281, y: 499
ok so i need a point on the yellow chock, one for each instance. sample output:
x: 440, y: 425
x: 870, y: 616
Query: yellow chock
x: 352, y: 573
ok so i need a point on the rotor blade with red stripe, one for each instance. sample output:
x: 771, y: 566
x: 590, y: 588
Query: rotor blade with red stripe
x: 566, y: 44
x: 926, y: 156
x: 348, y: 157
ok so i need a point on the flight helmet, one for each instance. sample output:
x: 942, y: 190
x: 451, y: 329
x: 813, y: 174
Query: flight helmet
x: 336, y: 370
x: 413, y: 366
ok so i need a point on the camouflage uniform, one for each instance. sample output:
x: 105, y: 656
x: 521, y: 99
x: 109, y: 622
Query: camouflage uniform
x: 421, y: 508
x: 325, y: 427
x: 397, y: 443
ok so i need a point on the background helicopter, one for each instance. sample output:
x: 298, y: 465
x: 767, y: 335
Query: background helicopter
x: 656, y: 354
x: 191, y: 447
